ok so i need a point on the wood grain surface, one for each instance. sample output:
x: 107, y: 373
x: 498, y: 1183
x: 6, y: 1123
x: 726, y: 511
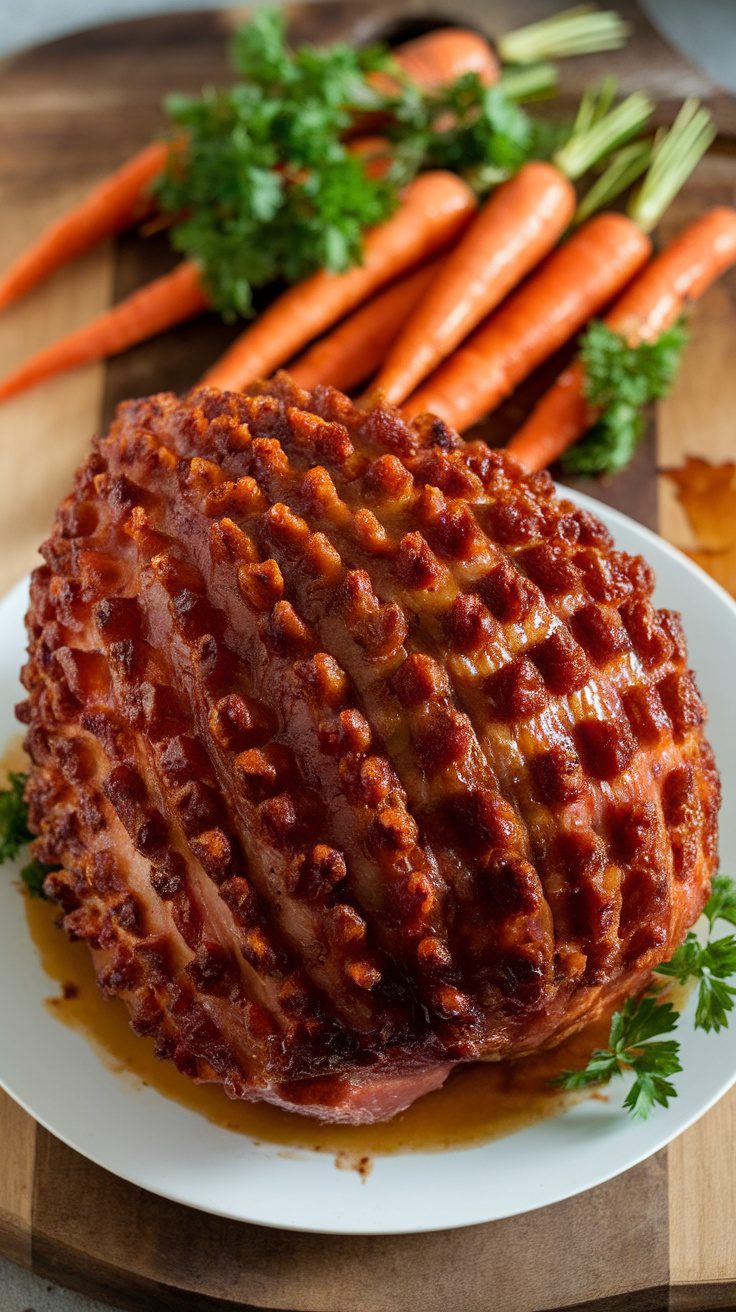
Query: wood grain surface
x: 661, y: 1236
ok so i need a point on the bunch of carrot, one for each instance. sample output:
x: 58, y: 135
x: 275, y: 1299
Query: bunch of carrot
x: 124, y: 197
x: 455, y: 339
x: 453, y: 304
x: 430, y: 61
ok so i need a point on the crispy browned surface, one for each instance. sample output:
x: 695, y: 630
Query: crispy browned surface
x: 362, y: 752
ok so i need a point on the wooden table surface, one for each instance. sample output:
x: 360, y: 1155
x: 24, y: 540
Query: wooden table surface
x: 664, y: 1234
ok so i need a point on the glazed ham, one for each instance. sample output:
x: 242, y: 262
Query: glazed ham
x: 360, y: 752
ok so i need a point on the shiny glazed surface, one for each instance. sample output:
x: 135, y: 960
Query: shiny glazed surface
x: 363, y: 753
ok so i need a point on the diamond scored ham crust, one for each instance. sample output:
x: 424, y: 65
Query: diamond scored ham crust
x: 362, y: 753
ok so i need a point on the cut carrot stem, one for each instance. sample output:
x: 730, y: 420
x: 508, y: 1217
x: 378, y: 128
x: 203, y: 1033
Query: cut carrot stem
x: 612, y: 128
x: 113, y: 205
x: 434, y: 209
x: 528, y: 81
x: 674, y: 156
x: 574, y: 283
x: 356, y: 348
x: 520, y: 224
x: 653, y: 302
x: 625, y: 167
x: 578, y: 31
x: 161, y: 304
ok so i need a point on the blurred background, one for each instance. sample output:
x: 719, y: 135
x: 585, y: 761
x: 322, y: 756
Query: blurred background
x: 704, y: 29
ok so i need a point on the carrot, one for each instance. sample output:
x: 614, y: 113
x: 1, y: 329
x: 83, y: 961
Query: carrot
x: 122, y: 197
x: 560, y: 418
x: 653, y: 302
x: 519, y: 225
x: 513, y: 231
x: 435, y: 207
x: 113, y: 205
x: 358, y: 345
x: 574, y: 283
x: 447, y: 53
x: 159, y: 305
x: 375, y: 151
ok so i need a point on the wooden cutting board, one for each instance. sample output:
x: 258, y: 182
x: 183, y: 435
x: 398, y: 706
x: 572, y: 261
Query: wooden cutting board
x: 664, y: 1234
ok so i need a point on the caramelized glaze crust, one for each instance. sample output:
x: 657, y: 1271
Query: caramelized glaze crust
x: 361, y: 752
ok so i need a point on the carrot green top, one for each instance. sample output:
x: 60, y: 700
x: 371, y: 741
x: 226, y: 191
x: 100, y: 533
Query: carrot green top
x: 263, y: 185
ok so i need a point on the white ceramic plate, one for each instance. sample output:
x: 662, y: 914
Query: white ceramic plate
x: 161, y: 1146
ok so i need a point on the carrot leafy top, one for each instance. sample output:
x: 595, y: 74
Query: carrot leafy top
x: 266, y: 186
x: 621, y: 381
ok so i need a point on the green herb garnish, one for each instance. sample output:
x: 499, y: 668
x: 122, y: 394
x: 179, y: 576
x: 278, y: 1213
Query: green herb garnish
x: 15, y: 834
x: 711, y: 963
x: 634, y: 1043
x: 721, y: 904
x: 477, y: 131
x: 634, y: 1046
x: 266, y: 187
x: 14, y: 831
x: 620, y: 380
x: 33, y: 875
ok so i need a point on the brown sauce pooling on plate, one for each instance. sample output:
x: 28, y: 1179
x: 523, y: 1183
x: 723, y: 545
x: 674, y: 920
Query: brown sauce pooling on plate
x: 477, y: 1103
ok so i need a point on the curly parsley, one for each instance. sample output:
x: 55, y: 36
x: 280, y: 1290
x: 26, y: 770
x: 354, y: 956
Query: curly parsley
x: 711, y: 963
x: 634, y: 1045
x: 14, y: 831
x: 15, y: 834
x: 262, y: 184
x: 620, y: 380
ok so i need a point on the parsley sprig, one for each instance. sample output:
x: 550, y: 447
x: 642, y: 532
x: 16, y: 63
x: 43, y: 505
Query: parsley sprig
x: 634, y: 1041
x: 480, y: 132
x: 262, y: 184
x: 15, y: 834
x: 33, y: 875
x: 14, y: 831
x: 265, y: 187
x: 620, y: 381
x: 712, y: 963
x: 634, y: 1045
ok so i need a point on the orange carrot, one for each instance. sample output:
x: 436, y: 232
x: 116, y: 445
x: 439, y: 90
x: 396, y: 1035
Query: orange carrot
x: 447, y: 53
x: 574, y: 283
x: 560, y: 418
x: 438, y: 57
x: 159, y: 305
x: 113, y: 205
x: 434, y: 208
x: 513, y: 231
x: 358, y: 345
x: 375, y: 152
x: 122, y: 197
x: 681, y: 273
